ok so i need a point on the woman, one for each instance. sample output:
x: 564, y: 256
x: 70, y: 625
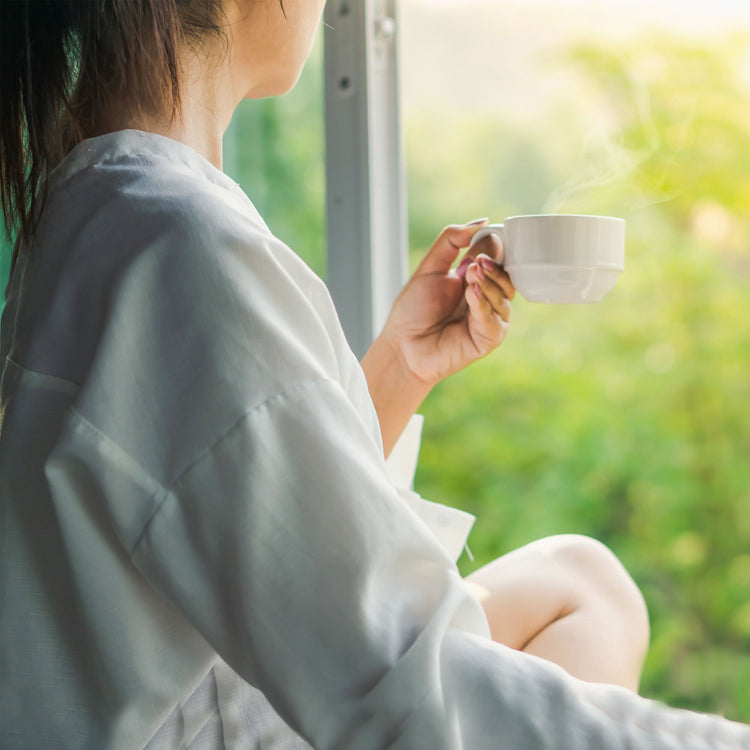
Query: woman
x: 201, y: 546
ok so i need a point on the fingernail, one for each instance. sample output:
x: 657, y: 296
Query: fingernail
x: 475, y: 222
x: 488, y: 264
x: 463, y: 267
x: 477, y: 290
x: 480, y: 272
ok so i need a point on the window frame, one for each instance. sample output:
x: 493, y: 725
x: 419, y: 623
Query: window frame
x: 365, y: 175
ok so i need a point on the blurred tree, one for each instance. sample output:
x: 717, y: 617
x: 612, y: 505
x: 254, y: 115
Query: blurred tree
x: 628, y: 421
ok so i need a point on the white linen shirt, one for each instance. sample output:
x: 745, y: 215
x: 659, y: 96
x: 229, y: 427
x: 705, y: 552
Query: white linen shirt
x: 200, y: 544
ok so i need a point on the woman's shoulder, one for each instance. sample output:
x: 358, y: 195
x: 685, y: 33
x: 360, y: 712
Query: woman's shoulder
x: 203, y: 311
x: 178, y: 191
x: 175, y: 284
x: 131, y: 202
x: 133, y: 179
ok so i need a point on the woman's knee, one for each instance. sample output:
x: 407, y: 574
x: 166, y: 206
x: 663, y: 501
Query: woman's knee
x: 598, y: 574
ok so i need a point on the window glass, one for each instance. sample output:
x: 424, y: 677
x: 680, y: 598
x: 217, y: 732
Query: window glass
x: 625, y: 420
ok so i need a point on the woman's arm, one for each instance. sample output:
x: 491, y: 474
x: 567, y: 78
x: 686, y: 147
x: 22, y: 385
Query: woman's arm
x: 396, y: 392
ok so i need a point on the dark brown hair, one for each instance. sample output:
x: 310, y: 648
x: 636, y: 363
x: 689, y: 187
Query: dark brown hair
x: 63, y: 63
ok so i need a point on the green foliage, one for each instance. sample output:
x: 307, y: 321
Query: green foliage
x: 627, y: 421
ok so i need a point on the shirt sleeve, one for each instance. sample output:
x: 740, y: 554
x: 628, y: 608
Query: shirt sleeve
x: 287, y: 547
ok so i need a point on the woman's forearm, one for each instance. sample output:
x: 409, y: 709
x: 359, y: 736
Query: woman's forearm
x: 395, y: 391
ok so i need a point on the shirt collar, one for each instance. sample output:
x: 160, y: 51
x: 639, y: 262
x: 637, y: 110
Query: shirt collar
x: 122, y: 143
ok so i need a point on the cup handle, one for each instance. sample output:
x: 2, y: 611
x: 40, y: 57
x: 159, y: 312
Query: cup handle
x: 497, y: 229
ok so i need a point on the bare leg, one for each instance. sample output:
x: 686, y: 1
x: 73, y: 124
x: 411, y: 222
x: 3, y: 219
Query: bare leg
x: 569, y: 600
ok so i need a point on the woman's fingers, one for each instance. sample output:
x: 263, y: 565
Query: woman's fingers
x: 490, y: 247
x: 497, y: 274
x: 447, y: 246
x: 487, y: 326
x: 494, y: 285
x: 487, y: 293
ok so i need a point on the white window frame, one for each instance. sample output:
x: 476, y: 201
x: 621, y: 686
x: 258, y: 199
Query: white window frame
x: 365, y: 177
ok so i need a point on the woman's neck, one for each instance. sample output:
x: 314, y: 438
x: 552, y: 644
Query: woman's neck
x: 209, y: 96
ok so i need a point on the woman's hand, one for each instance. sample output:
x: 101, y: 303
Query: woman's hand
x: 445, y: 319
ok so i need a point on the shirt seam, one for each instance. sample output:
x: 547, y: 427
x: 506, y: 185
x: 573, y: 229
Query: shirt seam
x: 244, y: 416
x: 97, y: 169
x: 170, y: 489
x: 70, y: 384
x: 62, y: 179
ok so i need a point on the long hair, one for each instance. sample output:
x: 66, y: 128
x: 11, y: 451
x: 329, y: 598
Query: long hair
x: 64, y: 63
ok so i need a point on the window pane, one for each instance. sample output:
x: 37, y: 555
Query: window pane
x: 275, y: 149
x: 624, y: 420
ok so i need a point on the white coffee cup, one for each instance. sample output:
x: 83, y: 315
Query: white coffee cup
x: 561, y: 258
